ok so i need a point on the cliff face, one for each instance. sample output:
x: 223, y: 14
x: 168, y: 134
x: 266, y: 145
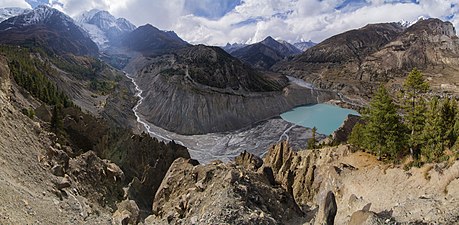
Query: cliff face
x: 358, y: 61
x: 203, y: 89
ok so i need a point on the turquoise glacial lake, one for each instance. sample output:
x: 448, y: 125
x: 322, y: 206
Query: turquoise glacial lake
x: 325, y: 117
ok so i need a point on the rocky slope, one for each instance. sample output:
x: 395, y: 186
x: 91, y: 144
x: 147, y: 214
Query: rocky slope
x: 28, y: 157
x: 265, y: 53
x: 70, y: 175
x: 358, y: 61
x: 48, y: 27
x: 203, y: 89
x: 360, y: 182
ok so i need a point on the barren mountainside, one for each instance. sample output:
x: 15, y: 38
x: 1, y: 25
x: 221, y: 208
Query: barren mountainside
x: 358, y: 61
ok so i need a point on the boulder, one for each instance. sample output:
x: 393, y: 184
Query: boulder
x: 58, y: 170
x: 327, y: 210
x: 127, y: 213
x: 249, y: 161
x: 65, y: 182
x: 363, y: 217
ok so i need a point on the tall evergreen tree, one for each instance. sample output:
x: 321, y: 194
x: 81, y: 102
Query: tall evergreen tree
x: 432, y: 132
x: 414, y: 107
x: 384, y: 131
x: 448, y: 114
x: 313, y: 140
x: 57, y: 123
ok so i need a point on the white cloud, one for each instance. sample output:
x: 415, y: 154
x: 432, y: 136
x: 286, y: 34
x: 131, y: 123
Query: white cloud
x: 253, y: 20
x: 14, y: 3
x: 307, y: 19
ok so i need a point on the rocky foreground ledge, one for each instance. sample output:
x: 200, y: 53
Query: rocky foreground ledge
x: 306, y: 187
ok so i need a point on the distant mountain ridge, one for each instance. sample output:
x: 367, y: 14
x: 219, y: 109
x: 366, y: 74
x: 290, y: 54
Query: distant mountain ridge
x: 150, y: 40
x: 49, y: 28
x: 304, y: 45
x: 266, y: 53
x: 232, y: 47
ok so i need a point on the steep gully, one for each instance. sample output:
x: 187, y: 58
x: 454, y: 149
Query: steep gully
x: 225, y: 146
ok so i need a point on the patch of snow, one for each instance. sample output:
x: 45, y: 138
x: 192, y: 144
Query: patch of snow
x: 97, y: 35
x: 6, y: 13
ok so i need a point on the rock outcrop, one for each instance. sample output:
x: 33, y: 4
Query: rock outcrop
x: 249, y: 161
x: 204, y: 90
x: 220, y: 193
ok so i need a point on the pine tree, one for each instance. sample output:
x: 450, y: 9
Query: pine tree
x: 414, y: 106
x: 448, y: 114
x: 357, y: 136
x: 312, y: 141
x: 57, y: 123
x: 384, y: 132
x: 432, y: 132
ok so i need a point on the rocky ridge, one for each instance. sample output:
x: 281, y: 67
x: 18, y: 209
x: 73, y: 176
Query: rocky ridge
x: 358, y: 61
x: 326, y: 186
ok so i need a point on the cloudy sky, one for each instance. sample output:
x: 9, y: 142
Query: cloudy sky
x: 217, y: 22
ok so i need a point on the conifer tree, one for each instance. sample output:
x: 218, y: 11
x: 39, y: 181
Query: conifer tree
x: 312, y: 141
x: 57, y: 123
x: 414, y: 107
x: 432, y: 132
x: 384, y: 132
x: 448, y: 114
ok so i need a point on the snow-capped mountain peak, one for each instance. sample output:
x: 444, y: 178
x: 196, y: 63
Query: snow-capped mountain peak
x: 6, y: 13
x: 104, y: 27
x: 41, y: 14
